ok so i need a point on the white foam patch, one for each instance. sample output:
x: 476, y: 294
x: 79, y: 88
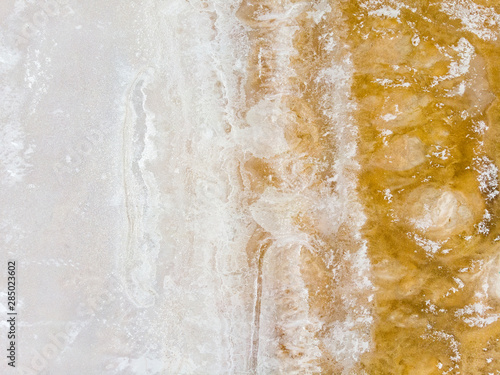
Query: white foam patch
x: 320, y: 9
x: 476, y: 315
x: 385, y: 11
x: 466, y: 52
x: 480, y: 20
x: 430, y: 247
x: 264, y: 120
x: 487, y: 176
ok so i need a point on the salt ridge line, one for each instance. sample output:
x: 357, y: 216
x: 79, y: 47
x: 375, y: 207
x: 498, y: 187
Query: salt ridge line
x: 140, y: 195
x: 283, y: 305
x: 350, y: 337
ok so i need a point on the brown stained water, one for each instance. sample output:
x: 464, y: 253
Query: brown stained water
x: 433, y: 248
x: 423, y: 103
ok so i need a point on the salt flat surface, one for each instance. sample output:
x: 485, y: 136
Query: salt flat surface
x: 234, y: 187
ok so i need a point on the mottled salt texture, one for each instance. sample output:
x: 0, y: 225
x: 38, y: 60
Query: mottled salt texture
x: 487, y: 176
x: 15, y: 150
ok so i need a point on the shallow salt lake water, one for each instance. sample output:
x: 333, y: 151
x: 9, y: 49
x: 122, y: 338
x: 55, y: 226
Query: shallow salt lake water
x: 251, y: 187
